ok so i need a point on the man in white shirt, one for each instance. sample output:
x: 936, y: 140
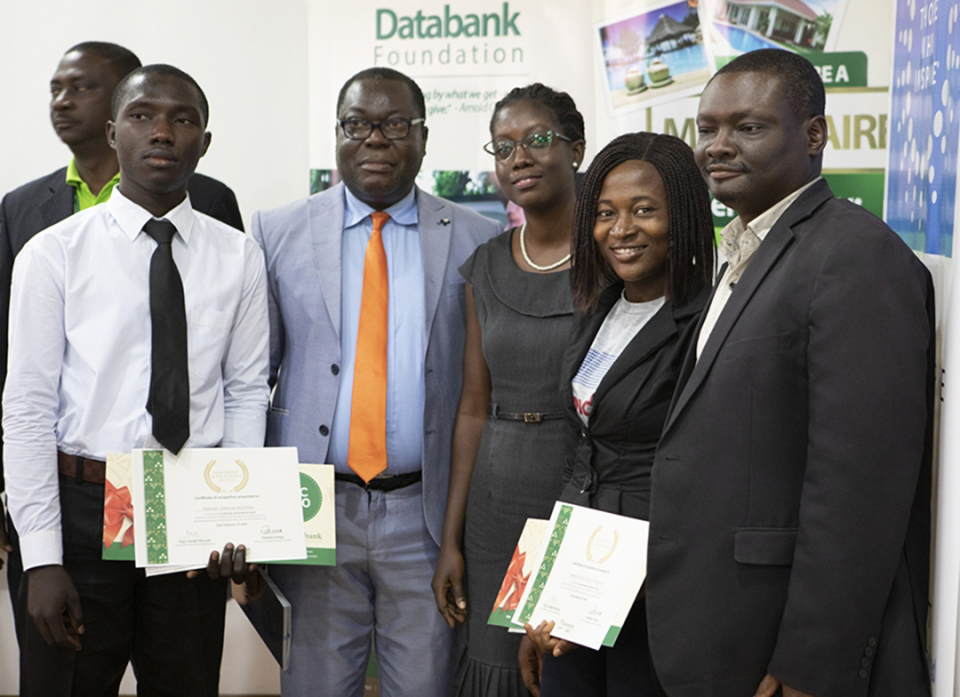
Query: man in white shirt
x: 82, y: 351
x: 790, y: 503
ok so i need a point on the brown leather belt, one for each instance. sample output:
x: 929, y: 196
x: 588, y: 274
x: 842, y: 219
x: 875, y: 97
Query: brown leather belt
x: 81, y: 468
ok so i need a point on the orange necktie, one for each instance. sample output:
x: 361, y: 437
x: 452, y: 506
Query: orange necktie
x: 368, y: 411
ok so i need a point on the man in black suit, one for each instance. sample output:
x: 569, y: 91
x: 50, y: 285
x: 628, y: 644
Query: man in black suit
x: 790, y: 504
x: 80, y: 93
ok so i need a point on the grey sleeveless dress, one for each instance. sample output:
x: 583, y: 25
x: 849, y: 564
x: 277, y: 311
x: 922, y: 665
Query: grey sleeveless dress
x: 526, y: 321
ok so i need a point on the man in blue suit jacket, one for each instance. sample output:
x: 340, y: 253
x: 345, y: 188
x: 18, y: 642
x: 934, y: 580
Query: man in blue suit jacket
x: 388, y: 529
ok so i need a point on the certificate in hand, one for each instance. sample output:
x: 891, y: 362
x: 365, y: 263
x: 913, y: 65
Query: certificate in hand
x: 319, y: 516
x: 524, y: 561
x: 589, y: 573
x: 188, y: 505
x: 118, y: 509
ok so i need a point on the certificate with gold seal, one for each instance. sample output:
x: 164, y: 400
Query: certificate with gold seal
x: 188, y: 505
x: 588, y: 573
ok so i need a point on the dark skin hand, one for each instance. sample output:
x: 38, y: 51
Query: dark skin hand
x: 531, y: 665
x: 54, y: 606
x: 4, y: 538
x: 546, y: 643
x: 232, y: 564
x: 769, y: 685
x: 448, y: 586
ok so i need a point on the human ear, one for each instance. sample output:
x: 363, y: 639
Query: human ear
x: 817, y: 134
x: 579, y: 148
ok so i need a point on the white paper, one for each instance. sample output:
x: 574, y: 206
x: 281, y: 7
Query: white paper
x: 196, y: 502
x: 589, y: 573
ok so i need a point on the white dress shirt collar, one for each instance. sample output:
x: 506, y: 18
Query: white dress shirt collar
x: 738, y: 242
x: 131, y: 217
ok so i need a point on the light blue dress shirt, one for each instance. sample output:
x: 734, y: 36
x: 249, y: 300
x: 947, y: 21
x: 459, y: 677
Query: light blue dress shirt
x: 405, y: 389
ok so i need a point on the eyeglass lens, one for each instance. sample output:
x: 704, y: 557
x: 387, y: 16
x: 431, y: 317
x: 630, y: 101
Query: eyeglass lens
x: 392, y: 129
x: 503, y: 149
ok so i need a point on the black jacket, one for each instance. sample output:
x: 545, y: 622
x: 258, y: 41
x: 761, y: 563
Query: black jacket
x: 610, y: 469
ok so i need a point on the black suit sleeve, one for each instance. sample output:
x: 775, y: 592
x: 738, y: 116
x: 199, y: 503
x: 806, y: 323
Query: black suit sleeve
x: 216, y: 199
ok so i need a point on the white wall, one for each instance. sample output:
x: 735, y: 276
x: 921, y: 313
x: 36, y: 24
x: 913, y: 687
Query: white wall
x: 250, y: 58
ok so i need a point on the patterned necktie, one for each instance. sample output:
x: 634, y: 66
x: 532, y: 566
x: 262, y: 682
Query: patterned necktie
x: 169, y: 400
x: 367, y: 455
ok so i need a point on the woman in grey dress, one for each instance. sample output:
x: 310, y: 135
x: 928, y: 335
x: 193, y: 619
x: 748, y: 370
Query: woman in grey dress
x: 510, y: 439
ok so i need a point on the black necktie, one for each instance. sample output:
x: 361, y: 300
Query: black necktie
x: 169, y: 399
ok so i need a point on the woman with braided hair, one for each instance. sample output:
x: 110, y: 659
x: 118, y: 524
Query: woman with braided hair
x: 510, y: 438
x: 642, y: 269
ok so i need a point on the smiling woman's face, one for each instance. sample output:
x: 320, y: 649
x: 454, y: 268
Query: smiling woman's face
x: 632, y: 229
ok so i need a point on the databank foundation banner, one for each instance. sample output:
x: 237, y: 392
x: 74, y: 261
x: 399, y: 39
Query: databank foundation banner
x: 465, y: 55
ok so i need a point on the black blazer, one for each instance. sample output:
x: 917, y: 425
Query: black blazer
x: 37, y: 205
x: 610, y: 469
x: 790, y: 506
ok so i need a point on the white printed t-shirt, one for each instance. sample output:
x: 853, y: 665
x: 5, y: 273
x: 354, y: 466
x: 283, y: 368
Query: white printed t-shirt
x: 623, y: 323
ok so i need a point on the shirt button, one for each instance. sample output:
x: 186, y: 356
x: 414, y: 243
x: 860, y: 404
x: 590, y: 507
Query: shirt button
x: 335, y: 369
x: 324, y: 431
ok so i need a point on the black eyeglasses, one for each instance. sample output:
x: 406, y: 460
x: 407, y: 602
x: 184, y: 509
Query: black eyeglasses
x: 392, y: 129
x: 504, y: 149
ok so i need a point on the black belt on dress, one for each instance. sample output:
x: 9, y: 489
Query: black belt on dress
x: 382, y: 482
x: 529, y: 417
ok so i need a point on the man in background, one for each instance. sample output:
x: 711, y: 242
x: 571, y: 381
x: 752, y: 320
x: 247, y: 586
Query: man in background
x: 367, y: 332
x: 80, y: 92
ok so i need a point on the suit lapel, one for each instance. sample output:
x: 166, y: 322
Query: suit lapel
x: 59, y: 204
x: 434, y: 218
x: 578, y: 348
x: 690, y: 359
x: 655, y: 332
x: 326, y: 231
x: 768, y: 253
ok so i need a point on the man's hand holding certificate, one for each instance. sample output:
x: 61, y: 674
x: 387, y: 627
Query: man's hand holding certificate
x: 587, y: 577
x: 189, y: 504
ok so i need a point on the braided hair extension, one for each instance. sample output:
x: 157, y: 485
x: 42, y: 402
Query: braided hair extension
x: 690, y: 253
x: 560, y: 103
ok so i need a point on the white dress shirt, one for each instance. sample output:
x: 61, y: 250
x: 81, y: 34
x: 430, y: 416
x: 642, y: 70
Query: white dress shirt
x: 738, y: 243
x: 78, y: 371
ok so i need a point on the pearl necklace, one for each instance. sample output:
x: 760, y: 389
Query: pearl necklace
x: 526, y: 257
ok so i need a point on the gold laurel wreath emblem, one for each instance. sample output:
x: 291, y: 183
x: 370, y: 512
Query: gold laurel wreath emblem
x: 210, y: 483
x: 246, y: 475
x: 207, y: 478
x: 613, y: 547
